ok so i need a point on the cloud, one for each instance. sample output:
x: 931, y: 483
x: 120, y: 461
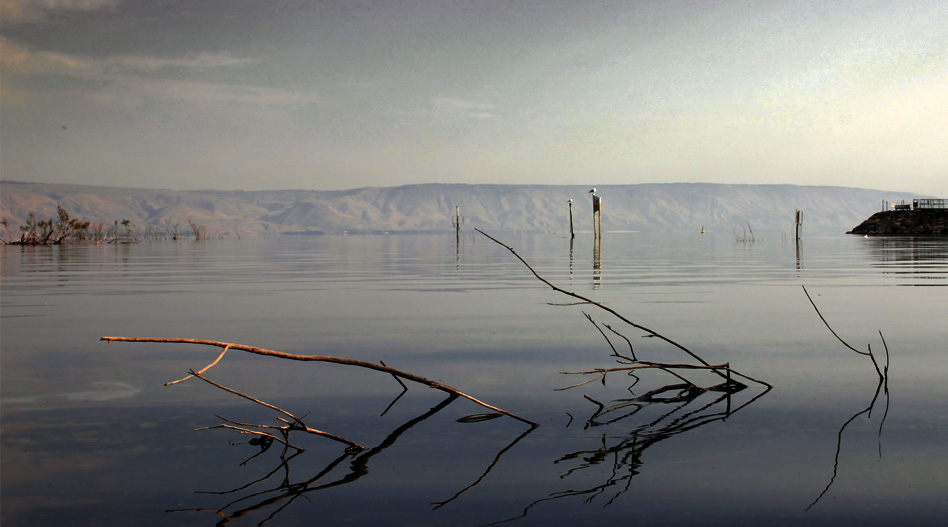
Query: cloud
x: 207, y: 92
x: 119, y: 74
x: 452, y: 103
x: 17, y: 58
x: 198, y: 61
x: 20, y: 11
x: 472, y: 110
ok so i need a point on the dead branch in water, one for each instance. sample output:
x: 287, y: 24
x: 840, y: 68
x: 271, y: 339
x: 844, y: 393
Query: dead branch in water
x: 882, y: 386
x: 316, y: 358
x: 882, y: 374
x: 724, y: 371
x: 296, y: 424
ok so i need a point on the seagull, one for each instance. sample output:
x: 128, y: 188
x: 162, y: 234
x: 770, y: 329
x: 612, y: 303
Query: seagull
x: 593, y: 191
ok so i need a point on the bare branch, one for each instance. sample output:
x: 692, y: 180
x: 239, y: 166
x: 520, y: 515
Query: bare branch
x: 869, y: 348
x: 605, y: 308
x: 204, y: 369
x: 323, y: 358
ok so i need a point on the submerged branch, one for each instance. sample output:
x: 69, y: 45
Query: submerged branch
x: 297, y: 423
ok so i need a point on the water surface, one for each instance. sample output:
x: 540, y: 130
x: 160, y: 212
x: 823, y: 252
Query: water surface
x: 91, y: 436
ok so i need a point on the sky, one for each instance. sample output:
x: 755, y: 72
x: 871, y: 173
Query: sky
x: 256, y: 95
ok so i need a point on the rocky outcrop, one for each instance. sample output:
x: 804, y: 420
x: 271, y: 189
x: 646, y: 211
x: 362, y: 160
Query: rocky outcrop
x: 921, y: 222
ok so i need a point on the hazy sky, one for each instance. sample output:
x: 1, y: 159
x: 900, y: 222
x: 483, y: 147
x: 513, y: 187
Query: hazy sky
x: 235, y: 94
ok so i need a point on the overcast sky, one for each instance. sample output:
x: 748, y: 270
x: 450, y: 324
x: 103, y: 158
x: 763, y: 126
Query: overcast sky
x: 235, y: 94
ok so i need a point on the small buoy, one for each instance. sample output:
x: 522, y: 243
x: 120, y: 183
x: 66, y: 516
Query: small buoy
x: 702, y: 229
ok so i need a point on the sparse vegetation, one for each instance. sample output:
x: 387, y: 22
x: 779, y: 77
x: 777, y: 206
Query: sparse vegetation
x: 747, y: 235
x: 200, y: 233
x: 49, y: 231
x: 65, y: 229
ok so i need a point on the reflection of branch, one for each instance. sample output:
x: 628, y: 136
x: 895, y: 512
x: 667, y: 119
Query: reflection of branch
x: 439, y: 504
x: 839, y: 438
x: 626, y: 455
x: 319, y: 358
x: 883, y: 386
x: 288, y: 492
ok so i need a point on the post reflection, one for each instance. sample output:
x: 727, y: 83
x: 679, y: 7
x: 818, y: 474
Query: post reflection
x: 799, y: 256
x: 597, y: 263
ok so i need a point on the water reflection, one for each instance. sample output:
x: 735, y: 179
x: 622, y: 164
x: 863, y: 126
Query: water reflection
x: 675, y: 409
x: 920, y: 257
x: 259, y: 497
x: 883, y: 387
x: 799, y: 256
x: 407, y: 300
x: 597, y: 263
x: 655, y: 416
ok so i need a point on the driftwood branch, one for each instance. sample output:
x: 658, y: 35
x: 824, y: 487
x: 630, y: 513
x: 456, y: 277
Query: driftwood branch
x: 723, y: 371
x: 869, y: 348
x: 586, y: 300
x: 882, y: 386
x: 320, y: 358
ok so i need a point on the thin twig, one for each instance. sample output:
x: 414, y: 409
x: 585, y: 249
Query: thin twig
x: 631, y: 350
x: 246, y: 431
x: 298, y: 424
x: 588, y: 317
x: 204, y: 369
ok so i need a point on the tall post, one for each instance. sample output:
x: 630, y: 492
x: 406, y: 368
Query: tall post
x: 799, y: 224
x: 597, y: 216
x: 571, y: 235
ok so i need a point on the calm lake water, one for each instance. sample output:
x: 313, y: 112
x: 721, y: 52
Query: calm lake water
x: 91, y: 436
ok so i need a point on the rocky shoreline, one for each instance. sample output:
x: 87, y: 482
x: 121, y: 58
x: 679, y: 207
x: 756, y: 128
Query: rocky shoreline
x: 919, y: 222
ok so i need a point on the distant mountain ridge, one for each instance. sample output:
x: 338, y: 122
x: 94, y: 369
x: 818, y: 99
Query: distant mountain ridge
x: 430, y: 207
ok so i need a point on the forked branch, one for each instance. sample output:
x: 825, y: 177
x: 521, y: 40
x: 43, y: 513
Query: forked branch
x: 319, y: 358
x: 604, y: 307
x: 723, y: 372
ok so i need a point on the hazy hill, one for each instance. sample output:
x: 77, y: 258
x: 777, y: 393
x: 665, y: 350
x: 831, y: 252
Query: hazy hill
x: 430, y: 207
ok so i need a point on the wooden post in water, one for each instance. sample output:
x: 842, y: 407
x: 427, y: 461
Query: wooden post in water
x: 799, y: 224
x: 597, y: 214
x: 571, y: 235
x: 456, y: 221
